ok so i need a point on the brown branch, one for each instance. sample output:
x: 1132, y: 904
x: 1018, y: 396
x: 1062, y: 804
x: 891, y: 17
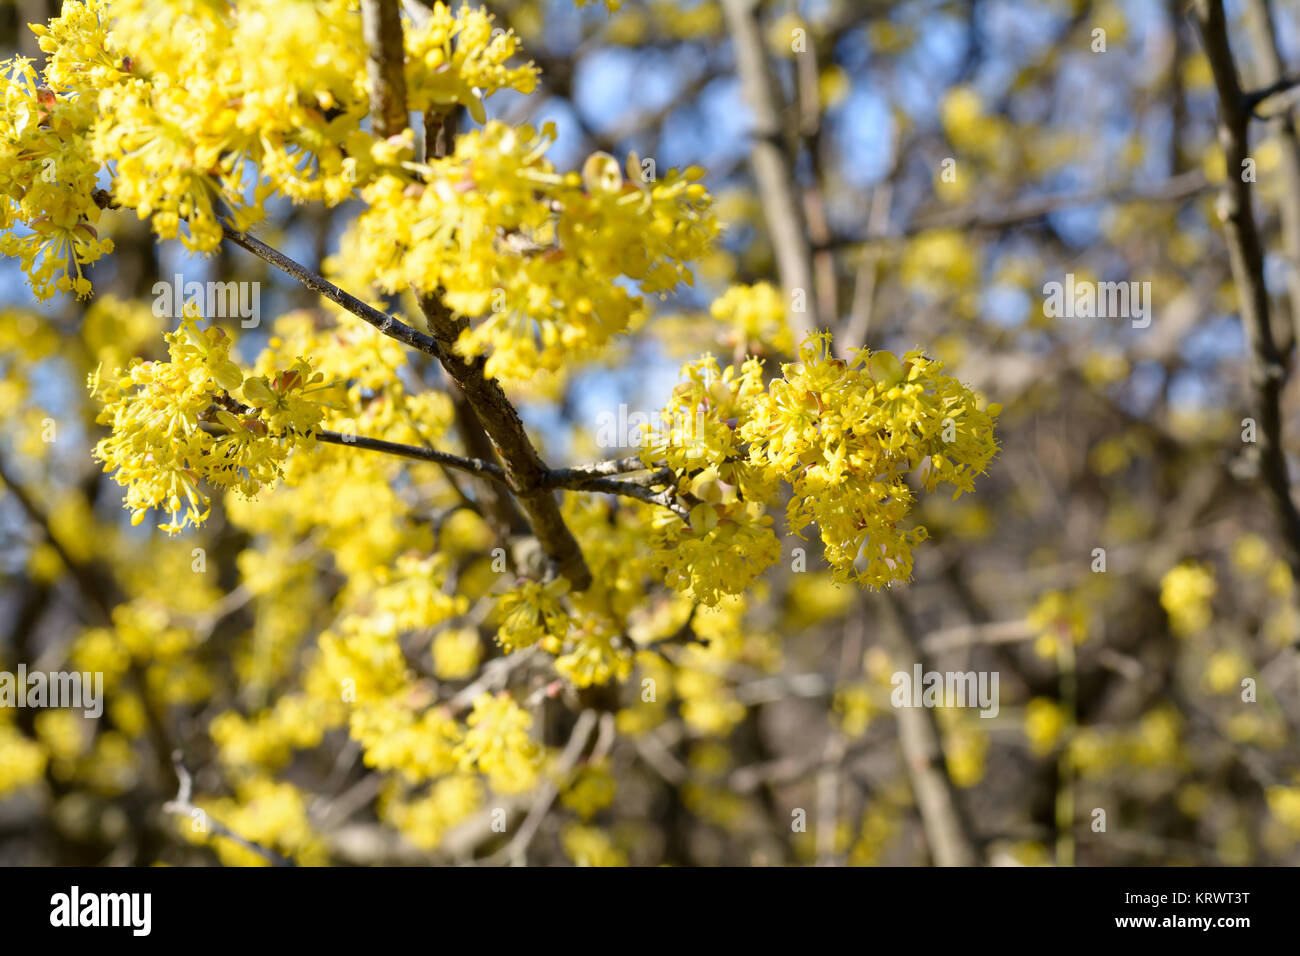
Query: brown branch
x: 1280, y: 84
x: 182, y: 805
x: 523, y: 468
x: 382, y: 321
x: 381, y: 24
x: 772, y: 165
x: 947, y: 828
x: 525, y: 472
x: 473, y: 466
x: 1246, y: 256
x: 980, y: 216
x: 1260, y: 22
x: 596, y: 477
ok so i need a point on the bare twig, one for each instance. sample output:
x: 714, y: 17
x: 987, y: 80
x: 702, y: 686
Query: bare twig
x: 979, y: 216
x: 182, y: 805
x: 475, y: 466
x: 951, y: 838
x: 1245, y: 254
x: 385, y: 323
x: 772, y: 165
x: 381, y: 23
x: 1269, y: 61
x: 1279, y: 85
x: 592, y: 478
x: 516, y: 850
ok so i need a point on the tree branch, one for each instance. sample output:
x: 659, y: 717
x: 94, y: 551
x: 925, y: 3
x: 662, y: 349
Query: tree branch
x: 1245, y: 254
x: 181, y: 805
x: 1279, y: 85
x: 980, y: 216
x: 385, y: 323
x: 596, y: 477
x: 1260, y: 22
x: 382, y: 321
x: 381, y: 25
x: 773, y: 167
x: 951, y: 838
x: 525, y: 472
x: 475, y: 466
x: 523, y: 467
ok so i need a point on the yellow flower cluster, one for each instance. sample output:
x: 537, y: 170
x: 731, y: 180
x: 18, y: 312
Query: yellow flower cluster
x: 757, y: 313
x: 590, y: 846
x: 531, y: 612
x: 46, y: 182
x: 597, y: 655
x: 22, y: 761
x: 843, y: 435
x: 1045, y: 722
x: 1185, y: 594
x: 458, y: 59
x: 196, y: 418
x: 1155, y: 742
x: 541, y: 263
x: 265, y: 811
x: 424, y: 820
x: 590, y: 791
x: 497, y: 743
x: 188, y: 107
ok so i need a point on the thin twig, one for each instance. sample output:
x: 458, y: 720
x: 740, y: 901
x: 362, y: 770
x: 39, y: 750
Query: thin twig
x: 773, y: 166
x: 1246, y: 256
x: 515, y: 851
x: 382, y: 321
x: 182, y: 805
x: 475, y: 466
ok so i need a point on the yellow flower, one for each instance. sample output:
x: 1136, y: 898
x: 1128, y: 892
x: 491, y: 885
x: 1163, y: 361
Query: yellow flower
x: 1284, y: 804
x: 546, y: 268
x: 590, y: 791
x: 589, y: 846
x: 1044, y: 722
x: 1224, y: 671
x: 1058, y: 615
x: 855, y: 708
x: 1185, y: 594
x: 181, y: 422
x: 497, y: 744
x: 532, y: 611
x: 844, y: 435
x: 456, y: 653
x: 758, y: 315
x: 22, y: 761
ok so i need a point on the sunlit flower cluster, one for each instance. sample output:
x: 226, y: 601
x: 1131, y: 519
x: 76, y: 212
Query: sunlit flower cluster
x: 196, y: 418
x: 845, y: 436
x: 757, y: 314
x: 188, y: 108
x: 458, y: 59
x: 47, y: 178
x: 543, y: 264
